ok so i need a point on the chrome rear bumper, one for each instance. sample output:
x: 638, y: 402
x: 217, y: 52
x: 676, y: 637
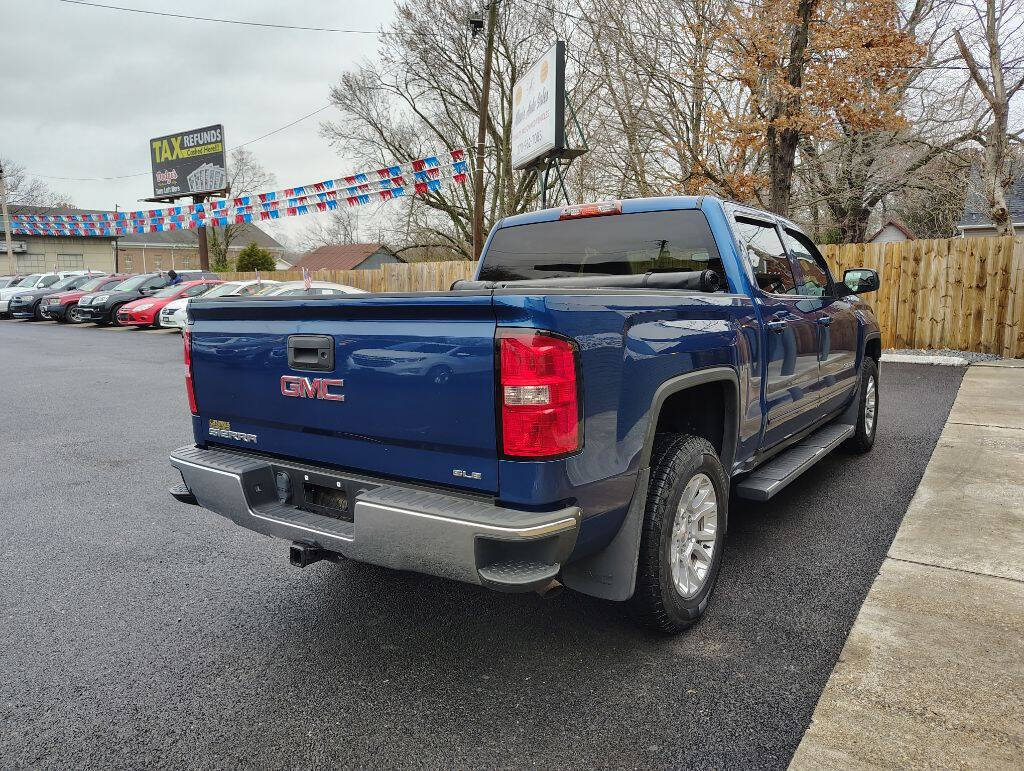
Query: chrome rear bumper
x: 397, y: 526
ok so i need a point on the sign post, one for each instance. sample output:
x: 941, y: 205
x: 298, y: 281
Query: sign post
x: 190, y: 163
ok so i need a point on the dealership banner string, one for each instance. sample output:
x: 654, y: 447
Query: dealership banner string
x: 388, y: 178
x: 235, y: 217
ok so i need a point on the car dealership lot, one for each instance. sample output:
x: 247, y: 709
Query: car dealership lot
x: 192, y: 642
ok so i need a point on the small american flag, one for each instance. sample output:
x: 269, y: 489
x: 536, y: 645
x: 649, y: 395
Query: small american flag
x: 259, y: 281
x: 307, y: 278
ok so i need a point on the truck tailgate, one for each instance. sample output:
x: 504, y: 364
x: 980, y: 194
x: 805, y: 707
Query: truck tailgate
x: 416, y: 372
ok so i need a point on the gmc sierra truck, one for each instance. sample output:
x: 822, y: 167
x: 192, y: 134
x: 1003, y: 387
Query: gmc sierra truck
x: 579, y: 413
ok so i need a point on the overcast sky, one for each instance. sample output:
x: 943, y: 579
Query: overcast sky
x: 84, y: 89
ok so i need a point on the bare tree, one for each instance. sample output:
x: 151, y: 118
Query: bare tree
x: 247, y: 175
x: 25, y: 190
x: 422, y: 95
x: 342, y: 227
x: 995, y: 30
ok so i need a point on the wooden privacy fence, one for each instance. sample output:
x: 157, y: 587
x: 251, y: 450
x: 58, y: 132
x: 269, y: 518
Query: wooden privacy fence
x: 962, y: 293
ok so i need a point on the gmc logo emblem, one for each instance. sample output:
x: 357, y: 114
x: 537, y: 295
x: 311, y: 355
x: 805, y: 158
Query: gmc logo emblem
x: 311, y: 388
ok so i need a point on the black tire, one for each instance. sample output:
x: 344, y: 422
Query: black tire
x: 675, y: 461
x: 863, y: 438
x: 37, y: 312
x: 113, y: 316
x: 71, y: 315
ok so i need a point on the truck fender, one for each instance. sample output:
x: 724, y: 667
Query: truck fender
x: 852, y: 410
x: 611, y: 573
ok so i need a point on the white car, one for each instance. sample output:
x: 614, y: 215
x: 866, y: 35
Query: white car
x: 317, y: 289
x: 35, y: 281
x: 174, y: 315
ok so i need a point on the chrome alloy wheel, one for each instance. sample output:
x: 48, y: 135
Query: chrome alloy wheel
x: 870, y: 406
x: 692, y: 548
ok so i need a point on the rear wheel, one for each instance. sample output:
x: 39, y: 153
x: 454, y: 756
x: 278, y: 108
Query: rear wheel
x: 683, y: 533
x: 863, y: 438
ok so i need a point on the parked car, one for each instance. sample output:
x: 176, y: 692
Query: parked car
x: 145, y: 312
x: 317, y: 289
x: 427, y: 359
x: 29, y: 283
x: 9, y: 281
x: 629, y: 364
x: 28, y: 304
x: 175, y: 314
x: 101, y: 307
x: 63, y: 307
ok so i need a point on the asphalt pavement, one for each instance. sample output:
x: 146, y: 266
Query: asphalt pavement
x: 137, y: 631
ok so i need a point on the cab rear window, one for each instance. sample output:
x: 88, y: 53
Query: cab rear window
x: 617, y: 245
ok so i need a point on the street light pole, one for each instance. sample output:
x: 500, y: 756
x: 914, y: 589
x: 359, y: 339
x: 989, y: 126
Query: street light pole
x: 7, y: 222
x: 481, y: 136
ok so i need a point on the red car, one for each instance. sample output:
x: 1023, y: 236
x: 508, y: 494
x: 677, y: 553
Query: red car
x: 145, y: 311
x: 63, y: 307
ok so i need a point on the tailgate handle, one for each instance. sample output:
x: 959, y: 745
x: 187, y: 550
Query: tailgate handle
x: 311, y: 352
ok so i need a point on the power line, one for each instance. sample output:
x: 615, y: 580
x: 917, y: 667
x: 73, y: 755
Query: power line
x: 146, y: 173
x: 220, y: 21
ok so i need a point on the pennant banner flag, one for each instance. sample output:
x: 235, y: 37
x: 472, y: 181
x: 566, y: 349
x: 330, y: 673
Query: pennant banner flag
x: 389, y: 182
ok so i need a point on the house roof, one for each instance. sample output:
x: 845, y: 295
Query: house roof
x: 246, y: 235
x: 976, y: 212
x: 339, y: 256
x: 899, y: 225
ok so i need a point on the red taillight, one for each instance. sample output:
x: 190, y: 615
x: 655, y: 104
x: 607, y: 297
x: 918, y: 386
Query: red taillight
x: 187, y: 338
x: 540, y: 415
x: 591, y: 210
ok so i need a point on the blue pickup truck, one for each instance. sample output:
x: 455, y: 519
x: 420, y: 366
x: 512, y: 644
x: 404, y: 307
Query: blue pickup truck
x: 578, y: 414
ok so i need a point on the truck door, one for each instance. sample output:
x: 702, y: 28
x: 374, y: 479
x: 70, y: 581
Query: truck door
x: 837, y: 323
x: 790, y: 332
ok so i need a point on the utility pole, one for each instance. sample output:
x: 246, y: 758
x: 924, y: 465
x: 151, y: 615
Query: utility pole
x: 481, y: 136
x: 117, y: 254
x: 7, y: 222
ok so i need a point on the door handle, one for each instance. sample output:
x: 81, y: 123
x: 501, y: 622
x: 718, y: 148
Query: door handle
x: 776, y: 326
x: 824, y: 321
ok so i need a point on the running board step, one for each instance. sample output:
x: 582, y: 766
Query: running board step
x: 513, y: 575
x: 769, y: 479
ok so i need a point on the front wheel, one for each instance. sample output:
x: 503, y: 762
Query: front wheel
x: 863, y: 438
x: 73, y: 315
x: 37, y: 312
x: 683, y: 533
x: 114, y: 321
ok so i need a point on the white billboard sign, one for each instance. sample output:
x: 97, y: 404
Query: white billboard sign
x: 538, y: 109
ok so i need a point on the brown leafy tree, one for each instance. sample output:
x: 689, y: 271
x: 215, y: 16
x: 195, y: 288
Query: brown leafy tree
x: 814, y: 69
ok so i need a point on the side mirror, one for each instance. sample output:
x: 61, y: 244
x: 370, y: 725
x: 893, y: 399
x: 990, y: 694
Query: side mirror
x: 861, y: 280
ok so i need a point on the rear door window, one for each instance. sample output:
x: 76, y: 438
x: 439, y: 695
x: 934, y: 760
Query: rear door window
x: 814, y: 277
x: 768, y: 260
x: 614, y: 245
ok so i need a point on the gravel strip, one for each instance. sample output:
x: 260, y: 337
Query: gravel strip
x: 972, y: 357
